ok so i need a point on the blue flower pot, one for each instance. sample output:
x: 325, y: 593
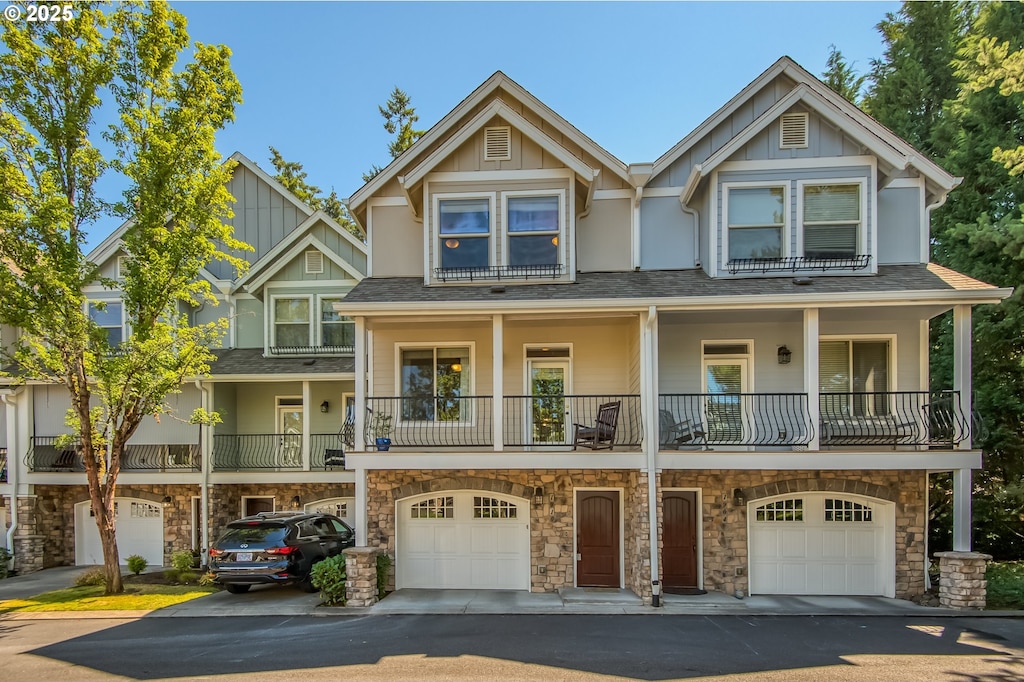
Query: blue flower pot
x: 383, y: 444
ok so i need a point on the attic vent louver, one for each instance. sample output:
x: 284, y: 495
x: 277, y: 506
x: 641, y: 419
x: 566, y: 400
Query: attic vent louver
x: 314, y: 262
x: 498, y: 143
x: 793, y: 131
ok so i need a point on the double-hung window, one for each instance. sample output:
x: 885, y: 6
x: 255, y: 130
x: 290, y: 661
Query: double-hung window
x: 435, y: 382
x: 109, y: 316
x: 292, y: 322
x: 305, y: 323
x: 336, y: 330
x: 533, y: 224
x: 756, y: 218
x: 831, y: 219
x: 464, y: 232
x: 856, y: 373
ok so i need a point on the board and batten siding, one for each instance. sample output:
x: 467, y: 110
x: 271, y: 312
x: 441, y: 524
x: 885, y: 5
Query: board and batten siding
x: 900, y: 225
x: 823, y: 141
x: 396, y: 242
x: 603, y: 238
x: 791, y: 178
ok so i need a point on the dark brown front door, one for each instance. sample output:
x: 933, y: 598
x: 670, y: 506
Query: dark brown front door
x: 255, y: 505
x: 597, y: 538
x: 679, y: 549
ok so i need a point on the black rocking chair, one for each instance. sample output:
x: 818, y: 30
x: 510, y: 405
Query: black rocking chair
x: 600, y: 436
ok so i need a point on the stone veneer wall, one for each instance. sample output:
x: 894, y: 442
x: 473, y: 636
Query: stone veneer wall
x: 724, y: 529
x: 226, y: 499
x: 551, y: 516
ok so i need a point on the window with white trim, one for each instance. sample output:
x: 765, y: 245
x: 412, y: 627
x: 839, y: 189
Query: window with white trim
x: 847, y: 511
x: 109, y: 316
x: 464, y: 231
x: 434, y: 508
x: 756, y: 221
x: 831, y: 220
x: 493, y: 508
x: 781, y: 510
x: 296, y: 327
x: 434, y: 382
x: 534, y: 226
x: 856, y: 374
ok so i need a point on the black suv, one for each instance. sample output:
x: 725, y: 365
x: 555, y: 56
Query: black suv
x: 276, y: 548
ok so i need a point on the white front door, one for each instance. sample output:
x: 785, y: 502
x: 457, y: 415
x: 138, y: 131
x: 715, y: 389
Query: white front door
x: 726, y: 415
x: 465, y: 539
x: 822, y: 543
x: 289, y: 428
x: 140, y: 530
x: 548, y: 417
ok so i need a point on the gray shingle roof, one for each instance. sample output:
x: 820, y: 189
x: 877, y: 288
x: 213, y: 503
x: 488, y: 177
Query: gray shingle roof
x: 658, y: 284
x: 251, y: 361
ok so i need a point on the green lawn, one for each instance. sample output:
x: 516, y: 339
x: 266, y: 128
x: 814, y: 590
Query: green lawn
x: 1006, y: 585
x: 91, y: 598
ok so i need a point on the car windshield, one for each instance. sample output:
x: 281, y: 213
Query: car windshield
x: 253, y: 535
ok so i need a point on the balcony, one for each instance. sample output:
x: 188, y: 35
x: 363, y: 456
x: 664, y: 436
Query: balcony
x: 534, y: 422
x: 3, y: 465
x: 275, y: 452
x: 893, y: 418
x: 45, y: 455
x: 703, y: 420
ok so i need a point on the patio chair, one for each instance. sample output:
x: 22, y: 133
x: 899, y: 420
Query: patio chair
x: 673, y: 433
x: 600, y: 436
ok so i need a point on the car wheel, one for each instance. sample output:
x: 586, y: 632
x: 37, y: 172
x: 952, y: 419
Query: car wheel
x: 236, y: 589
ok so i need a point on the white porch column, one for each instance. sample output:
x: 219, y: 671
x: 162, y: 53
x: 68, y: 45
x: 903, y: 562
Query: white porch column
x: 649, y: 401
x: 962, y: 510
x: 361, y: 526
x: 360, y: 370
x: 962, y: 367
x: 498, y: 381
x: 307, y: 408
x: 811, y: 334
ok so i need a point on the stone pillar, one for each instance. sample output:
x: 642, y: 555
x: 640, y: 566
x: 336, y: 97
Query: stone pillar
x: 361, y: 576
x: 28, y: 541
x: 962, y: 583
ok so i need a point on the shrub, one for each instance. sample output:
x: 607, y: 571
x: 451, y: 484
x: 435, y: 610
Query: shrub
x: 208, y: 579
x: 188, y: 577
x: 328, y: 576
x: 92, y: 577
x: 5, y: 560
x: 137, y: 564
x: 383, y: 568
x: 182, y: 560
x: 171, y: 575
x: 1005, y: 585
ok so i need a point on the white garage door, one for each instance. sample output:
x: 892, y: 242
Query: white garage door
x: 822, y: 543
x: 140, y: 530
x: 463, y: 540
x: 339, y: 506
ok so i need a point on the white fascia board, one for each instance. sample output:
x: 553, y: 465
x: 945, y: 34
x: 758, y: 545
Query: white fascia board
x: 269, y: 179
x: 495, y: 108
x: 297, y: 248
x: 275, y: 477
x: 745, y: 302
x: 330, y: 222
x: 109, y: 246
x: 855, y: 460
x: 277, y: 378
x: 489, y: 459
x: 692, y: 183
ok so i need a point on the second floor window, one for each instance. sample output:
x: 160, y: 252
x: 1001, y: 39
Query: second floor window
x: 831, y: 220
x: 853, y: 376
x: 465, y: 233
x: 434, y: 381
x: 291, y: 322
x: 335, y: 329
x: 533, y: 230
x: 108, y: 315
x: 310, y: 322
x: 757, y: 221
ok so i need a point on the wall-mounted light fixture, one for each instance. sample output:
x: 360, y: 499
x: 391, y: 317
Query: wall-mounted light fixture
x: 167, y: 500
x: 324, y: 406
x: 739, y: 498
x: 785, y: 355
x: 296, y: 502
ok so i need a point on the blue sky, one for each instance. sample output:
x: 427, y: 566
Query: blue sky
x: 634, y: 76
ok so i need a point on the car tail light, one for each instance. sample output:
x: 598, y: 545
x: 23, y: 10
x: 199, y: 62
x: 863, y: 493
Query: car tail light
x: 216, y: 552
x: 281, y: 550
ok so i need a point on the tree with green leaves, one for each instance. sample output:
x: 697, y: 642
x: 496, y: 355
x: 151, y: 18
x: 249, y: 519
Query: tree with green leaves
x: 840, y: 76
x: 399, y: 116
x: 293, y: 177
x: 168, y: 99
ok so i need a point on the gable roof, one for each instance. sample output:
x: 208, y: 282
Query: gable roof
x: 497, y: 81
x: 854, y: 122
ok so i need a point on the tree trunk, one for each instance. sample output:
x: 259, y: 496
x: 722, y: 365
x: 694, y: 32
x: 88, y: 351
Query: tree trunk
x: 111, y: 561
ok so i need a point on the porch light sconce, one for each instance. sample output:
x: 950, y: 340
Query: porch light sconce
x: 785, y: 355
x: 739, y: 498
x: 167, y: 500
x: 324, y: 406
x: 539, y: 491
x: 296, y: 502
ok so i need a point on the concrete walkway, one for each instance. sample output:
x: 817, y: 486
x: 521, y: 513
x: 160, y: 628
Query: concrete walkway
x: 276, y: 601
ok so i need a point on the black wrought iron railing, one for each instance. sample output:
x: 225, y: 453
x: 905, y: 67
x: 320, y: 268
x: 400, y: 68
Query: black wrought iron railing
x: 552, y: 420
x: 700, y: 420
x: 498, y: 272
x: 3, y: 465
x: 326, y: 451
x: 53, y: 453
x: 57, y: 454
x: 285, y: 351
x: 893, y: 418
x: 430, y: 421
x: 798, y: 264
x: 257, y: 452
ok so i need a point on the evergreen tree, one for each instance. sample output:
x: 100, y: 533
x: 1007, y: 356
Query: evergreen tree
x: 293, y: 177
x: 840, y: 76
x: 399, y: 116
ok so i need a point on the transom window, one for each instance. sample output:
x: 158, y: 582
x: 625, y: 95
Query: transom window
x: 831, y: 220
x: 533, y: 230
x: 847, y: 511
x: 434, y: 508
x: 491, y: 508
x: 781, y: 510
x: 108, y: 316
x: 303, y: 323
x: 464, y: 227
x: 434, y: 381
x: 756, y: 221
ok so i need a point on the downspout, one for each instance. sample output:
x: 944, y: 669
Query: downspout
x: 204, y: 491
x: 651, y: 446
x: 684, y: 202
x: 12, y: 466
